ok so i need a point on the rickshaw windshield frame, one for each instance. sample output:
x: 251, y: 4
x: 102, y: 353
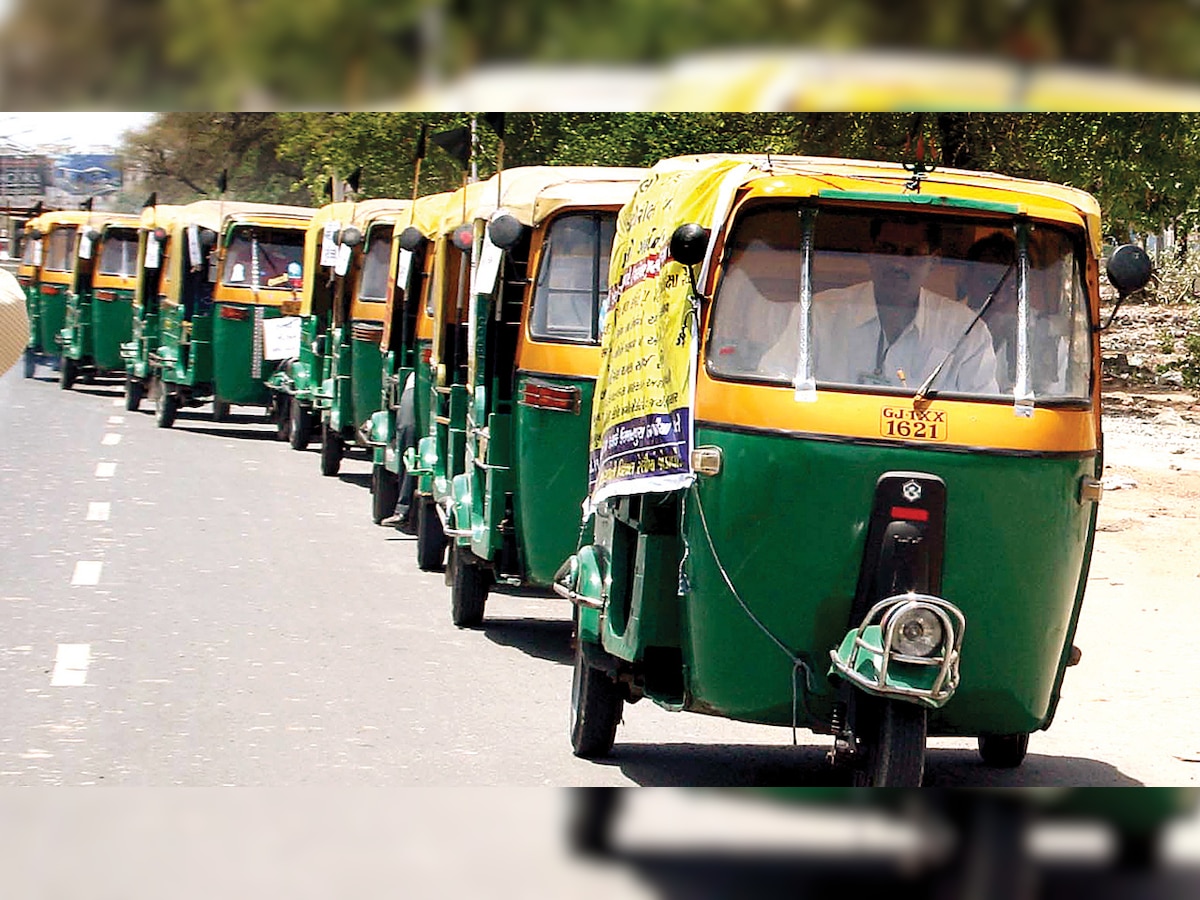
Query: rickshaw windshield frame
x: 276, y: 247
x: 961, y: 304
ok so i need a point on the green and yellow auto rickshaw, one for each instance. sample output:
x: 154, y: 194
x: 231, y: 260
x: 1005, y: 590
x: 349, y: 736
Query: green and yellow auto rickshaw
x: 295, y: 380
x: 845, y: 455
x: 440, y: 452
x: 542, y: 257
x: 350, y: 387
x: 406, y: 374
x: 241, y: 272
x: 45, y: 273
x: 99, y: 311
x: 140, y: 352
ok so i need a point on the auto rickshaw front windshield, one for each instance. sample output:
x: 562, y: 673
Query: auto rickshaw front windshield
x: 997, y: 308
x: 118, y: 252
x: 269, y: 251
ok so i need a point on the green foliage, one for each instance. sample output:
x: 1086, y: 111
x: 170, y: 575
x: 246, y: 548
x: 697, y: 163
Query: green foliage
x: 1190, y: 364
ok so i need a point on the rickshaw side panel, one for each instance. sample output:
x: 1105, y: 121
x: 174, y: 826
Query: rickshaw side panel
x: 111, y: 325
x: 1015, y: 542
x: 366, y: 374
x: 551, y: 465
x: 235, y: 334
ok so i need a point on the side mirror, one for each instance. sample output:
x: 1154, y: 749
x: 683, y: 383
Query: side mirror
x: 505, y: 231
x: 411, y: 239
x: 689, y: 244
x: 208, y: 239
x: 463, y: 237
x: 35, y: 234
x: 351, y: 236
x: 1128, y: 269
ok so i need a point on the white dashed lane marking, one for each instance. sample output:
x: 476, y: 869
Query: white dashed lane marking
x: 98, y: 512
x: 116, y: 420
x: 87, y: 572
x: 106, y: 469
x: 111, y: 439
x: 71, y: 665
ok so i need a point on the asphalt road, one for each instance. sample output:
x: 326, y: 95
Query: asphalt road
x: 199, y: 606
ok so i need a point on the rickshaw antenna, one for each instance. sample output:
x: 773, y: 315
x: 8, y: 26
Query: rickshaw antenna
x: 495, y: 121
x: 420, y: 155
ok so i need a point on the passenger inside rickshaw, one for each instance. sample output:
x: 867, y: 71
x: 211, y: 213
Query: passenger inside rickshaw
x: 892, y: 300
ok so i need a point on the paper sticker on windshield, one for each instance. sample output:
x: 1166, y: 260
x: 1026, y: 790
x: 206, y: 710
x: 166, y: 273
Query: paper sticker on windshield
x: 910, y: 424
x: 343, y: 260
x: 152, y: 252
x: 488, y: 268
x: 329, y: 247
x: 37, y: 253
x: 403, y: 264
x: 85, y: 246
x: 193, y: 239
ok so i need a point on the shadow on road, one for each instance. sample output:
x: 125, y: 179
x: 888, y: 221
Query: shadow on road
x: 758, y: 765
x: 550, y: 640
x: 358, y: 479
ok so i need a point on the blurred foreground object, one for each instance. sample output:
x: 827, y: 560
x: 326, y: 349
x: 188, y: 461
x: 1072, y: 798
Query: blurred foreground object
x: 14, y: 323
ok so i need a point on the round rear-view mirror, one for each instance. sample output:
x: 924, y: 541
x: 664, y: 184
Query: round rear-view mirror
x: 689, y: 244
x: 1129, y: 269
x: 411, y: 239
x: 505, y: 231
x: 351, y: 236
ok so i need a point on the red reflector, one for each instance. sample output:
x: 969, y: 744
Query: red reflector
x: 237, y: 313
x: 544, y: 396
x: 910, y: 513
x: 50, y: 289
x: 427, y: 355
x: 106, y: 295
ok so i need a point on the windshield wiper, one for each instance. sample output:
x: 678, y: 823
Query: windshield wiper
x: 923, y: 390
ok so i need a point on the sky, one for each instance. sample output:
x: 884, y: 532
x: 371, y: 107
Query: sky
x: 84, y: 132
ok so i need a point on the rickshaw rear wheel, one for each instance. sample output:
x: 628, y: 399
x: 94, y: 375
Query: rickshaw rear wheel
x: 893, y: 734
x: 220, y: 410
x: 331, y: 450
x: 300, y: 429
x: 30, y: 362
x: 165, y: 408
x: 590, y: 819
x: 431, y: 539
x: 67, y: 373
x: 596, y: 706
x: 1138, y: 851
x: 385, y: 491
x: 134, y: 391
x: 280, y: 409
x: 469, y: 591
x: 1003, y: 751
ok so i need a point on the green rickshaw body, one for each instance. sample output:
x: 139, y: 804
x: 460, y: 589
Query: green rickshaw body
x: 99, y: 314
x: 140, y: 352
x: 260, y: 261
x: 49, y: 277
x: 752, y: 568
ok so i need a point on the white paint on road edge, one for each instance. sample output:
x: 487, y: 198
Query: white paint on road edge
x: 98, y: 512
x: 71, y: 665
x: 87, y: 572
x: 106, y: 470
x: 116, y: 420
x: 111, y: 439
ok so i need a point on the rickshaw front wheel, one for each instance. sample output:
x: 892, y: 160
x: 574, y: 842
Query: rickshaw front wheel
x: 596, y: 707
x: 431, y: 539
x: 220, y: 411
x: 134, y: 391
x: 1003, y: 751
x: 301, y: 426
x: 331, y: 450
x: 385, y: 491
x: 893, y: 735
x: 165, y: 408
x: 30, y: 362
x: 67, y: 373
x: 590, y: 819
x: 469, y: 591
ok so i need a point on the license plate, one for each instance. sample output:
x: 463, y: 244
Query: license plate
x: 910, y: 424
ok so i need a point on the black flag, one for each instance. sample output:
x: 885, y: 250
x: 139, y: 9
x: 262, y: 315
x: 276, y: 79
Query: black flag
x: 223, y: 181
x: 421, y: 142
x: 495, y: 121
x: 329, y: 187
x: 456, y: 142
x: 37, y: 209
x: 87, y: 204
x: 355, y: 178
x: 152, y: 200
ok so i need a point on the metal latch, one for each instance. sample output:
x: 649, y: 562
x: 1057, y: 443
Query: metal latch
x: 1090, y: 489
x: 706, y: 460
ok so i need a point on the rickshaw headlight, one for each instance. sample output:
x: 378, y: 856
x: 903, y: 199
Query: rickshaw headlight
x: 918, y: 632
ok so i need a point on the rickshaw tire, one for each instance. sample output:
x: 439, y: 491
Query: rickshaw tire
x: 67, y: 373
x: 469, y: 592
x: 596, y: 706
x: 895, y: 739
x: 385, y: 491
x: 590, y: 820
x: 331, y: 451
x: 134, y: 391
x: 431, y: 540
x: 280, y: 409
x: 1003, y: 751
x: 165, y: 408
x: 990, y: 860
x: 220, y: 410
x: 300, y: 425
x: 30, y: 363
